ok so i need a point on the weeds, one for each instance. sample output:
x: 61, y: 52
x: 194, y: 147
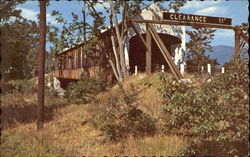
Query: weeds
x: 204, y: 119
x: 202, y: 110
x: 85, y: 90
x: 119, y: 116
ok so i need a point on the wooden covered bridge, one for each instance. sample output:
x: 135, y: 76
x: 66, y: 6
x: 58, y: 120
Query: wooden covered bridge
x: 159, y: 48
x: 157, y: 39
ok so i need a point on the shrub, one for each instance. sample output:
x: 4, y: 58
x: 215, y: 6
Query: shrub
x: 153, y: 80
x: 21, y: 86
x: 217, y: 109
x: 85, y: 90
x: 118, y: 116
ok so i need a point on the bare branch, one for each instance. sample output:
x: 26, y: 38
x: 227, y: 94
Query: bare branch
x: 115, y: 19
x: 113, y: 67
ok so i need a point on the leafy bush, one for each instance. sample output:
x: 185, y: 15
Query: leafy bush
x: 118, y: 116
x: 217, y: 109
x: 153, y: 80
x: 21, y: 86
x: 86, y: 89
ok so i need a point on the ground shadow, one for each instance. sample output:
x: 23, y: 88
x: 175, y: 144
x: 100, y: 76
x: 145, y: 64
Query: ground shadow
x: 218, y: 148
x: 26, y: 114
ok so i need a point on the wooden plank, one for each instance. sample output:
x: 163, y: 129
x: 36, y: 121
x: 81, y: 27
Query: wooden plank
x: 236, y: 44
x: 149, y: 51
x: 69, y: 73
x: 181, y: 23
x: 139, y: 34
x: 198, y: 19
x: 165, y: 52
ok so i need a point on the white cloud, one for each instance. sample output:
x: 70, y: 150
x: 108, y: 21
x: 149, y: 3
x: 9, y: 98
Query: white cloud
x: 199, y: 4
x: 214, y: 10
x: 29, y: 14
x: 50, y: 19
x: 32, y: 15
x: 208, y: 10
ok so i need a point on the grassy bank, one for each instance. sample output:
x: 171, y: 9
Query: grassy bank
x: 153, y: 115
x: 68, y: 135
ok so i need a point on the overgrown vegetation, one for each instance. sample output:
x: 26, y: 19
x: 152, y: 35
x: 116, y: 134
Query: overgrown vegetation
x: 19, y: 101
x: 207, y: 116
x: 117, y: 115
x: 86, y: 89
x: 216, y: 111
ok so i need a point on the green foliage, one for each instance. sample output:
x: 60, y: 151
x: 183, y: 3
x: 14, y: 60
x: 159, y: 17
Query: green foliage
x: 217, y: 109
x: 200, y: 40
x: 194, y: 66
x: 85, y: 90
x: 176, y: 5
x: 19, y: 45
x: 74, y: 33
x: 8, y: 10
x: 119, y: 117
x: 202, y: 37
x: 153, y: 80
x: 242, y: 31
x: 20, y: 86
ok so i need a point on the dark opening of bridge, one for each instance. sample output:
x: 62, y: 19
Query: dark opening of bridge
x: 137, y: 52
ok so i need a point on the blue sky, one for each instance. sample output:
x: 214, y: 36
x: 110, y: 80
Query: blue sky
x: 235, y: 9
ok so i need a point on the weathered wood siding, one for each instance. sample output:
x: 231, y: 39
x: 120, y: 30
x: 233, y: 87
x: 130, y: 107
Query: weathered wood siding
x: 69, y: 73
x: 73, y: 62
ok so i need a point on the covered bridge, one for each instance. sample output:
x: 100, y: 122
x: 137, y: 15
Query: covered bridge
x: 73, y: 61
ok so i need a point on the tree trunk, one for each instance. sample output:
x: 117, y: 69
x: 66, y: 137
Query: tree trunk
x: 121, y: 68
x: 118, y: 69
x: 41, y: 65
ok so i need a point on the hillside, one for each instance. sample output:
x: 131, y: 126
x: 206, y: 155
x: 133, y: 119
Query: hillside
x: 69, y: 129
x: 153, y: 115
x: 222, y: 53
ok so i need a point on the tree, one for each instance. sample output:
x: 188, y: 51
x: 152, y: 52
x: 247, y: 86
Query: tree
x: 177, y: 4
x: 119, y: 30
x: 19, y: 42
x: 73, y: 33
x: 199, y: 43
x: 8, y: 10
x: 41, y: 65
x: 242, y: 32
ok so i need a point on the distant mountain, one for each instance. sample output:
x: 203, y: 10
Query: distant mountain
x: 222, y: 53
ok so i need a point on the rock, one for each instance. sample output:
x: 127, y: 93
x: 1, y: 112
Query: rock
x: 57, y: 87
x: 186, y: 80
x: 141, y: 76
x: 49, y: 84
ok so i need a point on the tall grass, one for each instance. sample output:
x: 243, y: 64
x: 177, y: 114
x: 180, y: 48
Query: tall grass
x: 68, y: 130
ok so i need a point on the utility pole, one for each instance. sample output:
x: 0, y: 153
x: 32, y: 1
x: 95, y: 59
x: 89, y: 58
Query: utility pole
x: 84, y: 33
x: 84, y: 21
x: 41, y: 65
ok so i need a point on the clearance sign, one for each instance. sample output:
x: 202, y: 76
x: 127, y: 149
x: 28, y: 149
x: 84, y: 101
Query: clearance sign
x: 188, y: 18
